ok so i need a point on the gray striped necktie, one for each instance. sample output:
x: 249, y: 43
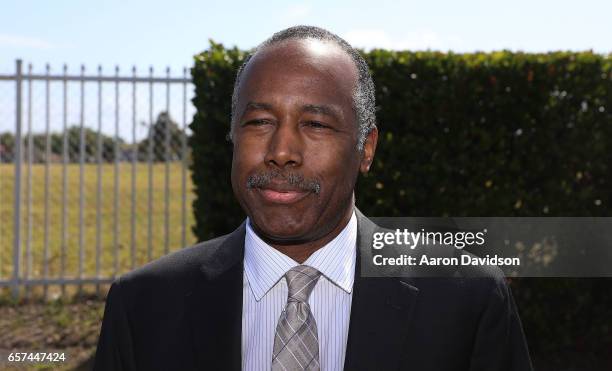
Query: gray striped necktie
x: 296, y: 345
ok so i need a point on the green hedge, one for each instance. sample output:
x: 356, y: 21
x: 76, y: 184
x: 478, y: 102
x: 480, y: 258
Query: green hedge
x: 483, y: 134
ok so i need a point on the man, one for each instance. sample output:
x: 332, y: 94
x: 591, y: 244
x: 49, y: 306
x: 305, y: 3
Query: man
x: 283, y: 291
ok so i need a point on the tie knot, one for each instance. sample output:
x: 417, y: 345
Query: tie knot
x: 301, y: 280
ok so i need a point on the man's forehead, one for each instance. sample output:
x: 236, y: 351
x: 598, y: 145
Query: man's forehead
x: 298, y: 51
x: 310, y: 46
x: 308, y: 74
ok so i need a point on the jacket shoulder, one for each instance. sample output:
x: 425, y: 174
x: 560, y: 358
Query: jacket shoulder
x: 174, y: 269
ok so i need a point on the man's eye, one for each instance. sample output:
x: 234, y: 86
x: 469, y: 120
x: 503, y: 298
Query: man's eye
x: 256, y: 122
x: 316, y: 125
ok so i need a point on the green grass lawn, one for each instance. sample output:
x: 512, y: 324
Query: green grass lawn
x: 89, y: 216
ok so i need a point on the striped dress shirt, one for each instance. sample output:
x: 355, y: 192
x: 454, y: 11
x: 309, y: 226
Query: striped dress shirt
x: 265, y: 293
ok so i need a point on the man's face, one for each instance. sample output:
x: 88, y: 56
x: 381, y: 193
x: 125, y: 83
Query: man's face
x: 295, y: 161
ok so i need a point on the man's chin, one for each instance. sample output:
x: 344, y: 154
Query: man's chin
x: 280, y: 230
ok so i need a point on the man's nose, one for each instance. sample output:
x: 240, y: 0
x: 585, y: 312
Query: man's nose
x: 285, y: 147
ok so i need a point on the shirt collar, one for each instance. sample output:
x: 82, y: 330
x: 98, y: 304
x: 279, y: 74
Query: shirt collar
x: 265, y: 266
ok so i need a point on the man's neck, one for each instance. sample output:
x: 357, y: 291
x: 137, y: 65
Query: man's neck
x: 300, y: 252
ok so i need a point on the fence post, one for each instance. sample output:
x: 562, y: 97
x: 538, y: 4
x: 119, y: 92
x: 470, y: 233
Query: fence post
x: 18, y: 156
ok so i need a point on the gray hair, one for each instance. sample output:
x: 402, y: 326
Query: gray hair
x: 364, y: 102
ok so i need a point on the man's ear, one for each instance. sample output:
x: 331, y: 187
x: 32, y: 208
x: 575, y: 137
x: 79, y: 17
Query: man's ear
x: 369, y: 148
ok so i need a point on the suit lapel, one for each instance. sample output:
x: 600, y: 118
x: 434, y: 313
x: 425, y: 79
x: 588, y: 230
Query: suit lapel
x: 381, y: 312
x: 215, y: 306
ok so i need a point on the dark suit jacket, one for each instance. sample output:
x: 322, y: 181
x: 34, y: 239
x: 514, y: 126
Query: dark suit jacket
x: 183, y: 312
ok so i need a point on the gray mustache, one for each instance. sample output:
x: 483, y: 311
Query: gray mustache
x: 262, y: 179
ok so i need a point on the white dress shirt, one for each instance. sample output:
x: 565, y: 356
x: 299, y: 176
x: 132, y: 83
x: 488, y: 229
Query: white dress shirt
x: 264, y: 296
